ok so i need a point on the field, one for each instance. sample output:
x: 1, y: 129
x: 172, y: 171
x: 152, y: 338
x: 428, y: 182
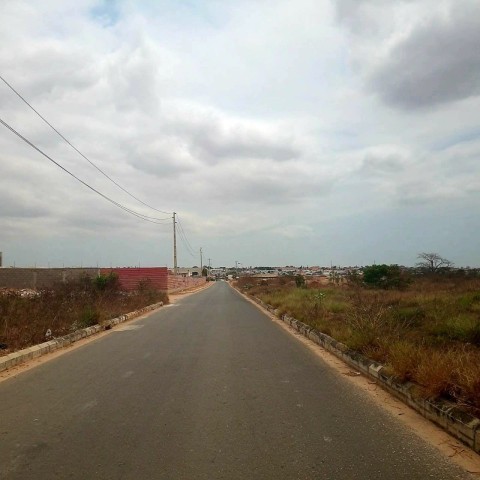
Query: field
x: 31, y: 317
x: 428, y: 333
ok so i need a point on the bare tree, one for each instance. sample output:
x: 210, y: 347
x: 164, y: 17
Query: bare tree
x: 433, y: 262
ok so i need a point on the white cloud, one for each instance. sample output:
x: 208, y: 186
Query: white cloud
x: 257, y: 121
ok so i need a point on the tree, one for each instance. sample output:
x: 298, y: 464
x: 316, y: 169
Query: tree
x: 433, y: 262
x: 334, y: 278
x: 384, y: 276
x: 300, y: 281
x: 204, y: 272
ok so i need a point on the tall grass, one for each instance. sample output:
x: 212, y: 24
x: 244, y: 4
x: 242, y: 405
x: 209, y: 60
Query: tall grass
x: 26, y: 321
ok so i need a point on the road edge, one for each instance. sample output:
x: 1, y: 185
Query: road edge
x: 21, y: 356
x: 459, y: 424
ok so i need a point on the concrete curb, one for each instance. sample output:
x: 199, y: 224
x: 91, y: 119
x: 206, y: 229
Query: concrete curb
x: 458, y: 423
x: 16, y: 358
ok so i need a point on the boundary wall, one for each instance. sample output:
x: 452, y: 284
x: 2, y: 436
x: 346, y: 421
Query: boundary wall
x: 38, y: 278
x: 130, y: 278
x: 159, y: 277
x: 41, y: 277
x: 177, y: 283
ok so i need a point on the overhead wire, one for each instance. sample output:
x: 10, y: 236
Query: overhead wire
x: 184, y: 234
x: 117, y: 204
x: 183, y: 237
x: 77, y: 150
x: 185, y: 242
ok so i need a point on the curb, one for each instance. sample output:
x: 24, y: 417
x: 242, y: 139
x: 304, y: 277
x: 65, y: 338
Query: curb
x: 21, y: 356
x: 461, y: 425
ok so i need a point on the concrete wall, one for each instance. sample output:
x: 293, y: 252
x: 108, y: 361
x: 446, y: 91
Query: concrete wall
x: 41, y: 277
x: 177, y: 283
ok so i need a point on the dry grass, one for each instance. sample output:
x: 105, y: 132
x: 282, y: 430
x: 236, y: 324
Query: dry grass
x: 26, y: 321
x: 428, y: 333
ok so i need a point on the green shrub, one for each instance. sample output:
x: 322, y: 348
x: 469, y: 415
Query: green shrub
x: 107, y: 282
x: 463, y: 328
x: 88, y: 317
x: 384, y: 276
x: 300, y: 281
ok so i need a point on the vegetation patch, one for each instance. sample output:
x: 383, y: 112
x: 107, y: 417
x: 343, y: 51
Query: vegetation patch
x: 30, y: 318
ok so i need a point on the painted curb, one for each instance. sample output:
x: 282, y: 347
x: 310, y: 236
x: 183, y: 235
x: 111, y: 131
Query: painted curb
x: 461, y: 425
x: 16, y: 358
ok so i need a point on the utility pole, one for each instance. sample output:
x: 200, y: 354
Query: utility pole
x: 201, y: 262
x: 174, y: 244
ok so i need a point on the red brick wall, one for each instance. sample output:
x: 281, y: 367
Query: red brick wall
x: 159, y: 276
x: 131, y: 277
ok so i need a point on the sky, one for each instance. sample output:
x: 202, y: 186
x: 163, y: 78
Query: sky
x: 282, y: 132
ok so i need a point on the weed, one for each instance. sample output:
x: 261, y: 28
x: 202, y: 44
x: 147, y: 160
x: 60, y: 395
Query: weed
x: 403, y: 359
x: 66, y: 308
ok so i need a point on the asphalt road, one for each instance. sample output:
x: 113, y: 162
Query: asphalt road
x: 209, y: 388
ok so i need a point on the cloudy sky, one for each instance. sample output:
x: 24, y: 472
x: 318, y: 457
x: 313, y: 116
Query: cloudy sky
x: 282, y: 132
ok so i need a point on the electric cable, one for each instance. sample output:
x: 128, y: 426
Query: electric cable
x: 185, y: 242
x: 117, y: 204
x: 183, y: 234
x: 184, y: 238
x: 77, y: 150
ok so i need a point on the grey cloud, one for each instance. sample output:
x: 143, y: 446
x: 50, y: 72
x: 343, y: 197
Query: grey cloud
x: 384, y: 161
x: 132, y: 76
x: 162, y: 157
x: 354, y: 13
x: 242, y: 143
x: 270, y: 184
x: 424, y: 191
x: 20, y: 204
x: 54, y: 70
x: 439, y: 62
x: 212, y: 139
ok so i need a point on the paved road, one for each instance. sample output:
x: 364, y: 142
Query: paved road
x: 209, y: 388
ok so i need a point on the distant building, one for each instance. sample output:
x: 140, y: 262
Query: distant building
x: 189, y: 272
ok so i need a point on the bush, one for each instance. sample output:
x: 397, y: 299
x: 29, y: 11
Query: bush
x: 300, y: 281
x: 384, y: 276
x: 66, y: 307
x: 88, y: 317
x: 107, y: 282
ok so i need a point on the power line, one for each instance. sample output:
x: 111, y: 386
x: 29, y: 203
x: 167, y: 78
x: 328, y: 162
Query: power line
x: 185, y: 235
x: 185, y: 242
x: 184, y: 238
x: 182, y: 232
x: 77, y: 150
x: 119, y: 205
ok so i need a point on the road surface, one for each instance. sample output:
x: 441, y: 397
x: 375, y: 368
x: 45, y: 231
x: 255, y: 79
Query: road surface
x: 208, y: 388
